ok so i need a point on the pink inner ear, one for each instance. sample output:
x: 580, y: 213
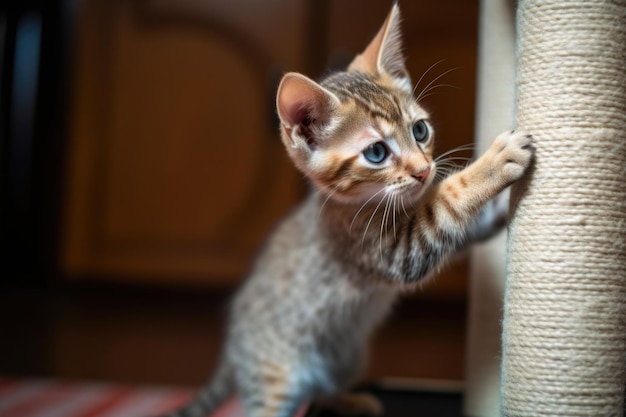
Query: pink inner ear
x: 301, y: 111
x: 295, y: 101
x: 301, y: 100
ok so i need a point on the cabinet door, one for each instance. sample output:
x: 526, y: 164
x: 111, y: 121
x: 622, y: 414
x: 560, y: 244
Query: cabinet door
x: 176, y: 170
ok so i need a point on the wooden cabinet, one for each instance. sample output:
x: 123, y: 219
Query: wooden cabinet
x: 176, y: 171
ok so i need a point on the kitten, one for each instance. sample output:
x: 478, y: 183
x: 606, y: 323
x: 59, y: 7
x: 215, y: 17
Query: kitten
x: 375, y: 224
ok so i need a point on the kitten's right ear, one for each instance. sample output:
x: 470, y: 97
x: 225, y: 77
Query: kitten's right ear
x: 384, y: 52
x: 304, y: 107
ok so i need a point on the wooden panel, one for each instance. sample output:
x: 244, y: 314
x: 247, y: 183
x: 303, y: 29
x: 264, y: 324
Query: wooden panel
x: 176, y: 166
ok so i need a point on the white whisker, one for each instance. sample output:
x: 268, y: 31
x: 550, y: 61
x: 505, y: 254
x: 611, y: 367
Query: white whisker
x: 430, y: 90
x: 462, y: 148
x: 447, y: 169
x: 434, y: 93
x: 328, y: 197
x: 371, y: 218
x: 395, y: 201
x: 362, y: 207
x: 425, y: 73
x: 457, y: 158
x: 450, y: 164
x: 403, y: 207
x: 383, y: 225
x: 434, y: 81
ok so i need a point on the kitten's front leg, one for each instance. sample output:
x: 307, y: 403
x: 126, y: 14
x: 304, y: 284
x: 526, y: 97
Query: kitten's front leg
x: 491, y: 219
x: 463, y: 195
x: 515, y: 151
x: 451, y: 209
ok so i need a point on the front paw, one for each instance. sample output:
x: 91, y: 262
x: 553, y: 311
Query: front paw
x: 512, y: 153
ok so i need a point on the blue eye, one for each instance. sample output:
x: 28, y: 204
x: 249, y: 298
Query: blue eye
x: 420, y: 131
x: 376, y: 153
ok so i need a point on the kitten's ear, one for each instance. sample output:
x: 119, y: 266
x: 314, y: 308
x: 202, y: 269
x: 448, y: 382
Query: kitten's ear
x: 304, y: 107
x: 384, y: 53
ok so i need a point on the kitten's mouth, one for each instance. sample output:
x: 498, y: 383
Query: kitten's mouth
x: 412, y: 191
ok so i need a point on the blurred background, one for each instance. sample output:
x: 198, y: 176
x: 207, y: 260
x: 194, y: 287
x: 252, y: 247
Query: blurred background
x: 141, y: 168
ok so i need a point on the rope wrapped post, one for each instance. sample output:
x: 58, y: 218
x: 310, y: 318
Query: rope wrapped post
x: 564, y: 336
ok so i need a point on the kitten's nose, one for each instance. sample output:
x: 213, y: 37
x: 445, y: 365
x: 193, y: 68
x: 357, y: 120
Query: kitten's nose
x: 422, y: 176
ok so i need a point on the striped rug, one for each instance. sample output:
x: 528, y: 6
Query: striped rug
x: 57, y: 398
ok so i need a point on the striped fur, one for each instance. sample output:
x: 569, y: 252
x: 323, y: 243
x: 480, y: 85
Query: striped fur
x: 331, y: 271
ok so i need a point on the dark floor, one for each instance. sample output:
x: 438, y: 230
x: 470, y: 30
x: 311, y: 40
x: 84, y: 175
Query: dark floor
x: 406, y: 402
x: 168, y: 336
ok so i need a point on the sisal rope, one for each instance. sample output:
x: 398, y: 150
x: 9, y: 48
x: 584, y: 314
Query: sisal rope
x: 564, y: 339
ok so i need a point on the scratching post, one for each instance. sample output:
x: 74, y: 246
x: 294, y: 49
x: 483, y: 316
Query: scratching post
x: 564, y: 339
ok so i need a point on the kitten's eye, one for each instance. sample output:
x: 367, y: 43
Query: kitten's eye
x: 376, y: 153
x: 420, y: 131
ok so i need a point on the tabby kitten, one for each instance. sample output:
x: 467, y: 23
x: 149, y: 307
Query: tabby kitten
x: 375, y: 224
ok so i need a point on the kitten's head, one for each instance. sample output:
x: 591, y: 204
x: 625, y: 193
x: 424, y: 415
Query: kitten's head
x: 359, y: 134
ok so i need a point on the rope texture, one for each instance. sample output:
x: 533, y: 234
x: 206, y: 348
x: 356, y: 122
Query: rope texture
x: 564, y: 339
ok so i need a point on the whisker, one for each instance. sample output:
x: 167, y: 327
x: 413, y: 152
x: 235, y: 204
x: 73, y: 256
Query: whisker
x: 430, y: 90
x: 453, y: 165
x: 395, y: 200
x: 465, y: 147
x: 371, y: 218
x: 441, y: 173
x: 362, y: 207
x: 424, y: 74
x: 445, y: 171
x: 462, y: 148
x: 403, y: 207
x: 383, y: 226
x: 457, y: 158
x: 434, y: 81
x: 432, y: 93
x: 453, y: 161
x: 328, y: 197
x: 456, y: 161
x: 450, y: 167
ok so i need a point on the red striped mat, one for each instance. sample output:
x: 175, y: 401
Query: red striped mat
x: 56, y: 398
x: 21, y: 397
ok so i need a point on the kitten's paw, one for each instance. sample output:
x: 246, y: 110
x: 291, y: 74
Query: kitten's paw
x: 353, y: 404
x: 512, y: 153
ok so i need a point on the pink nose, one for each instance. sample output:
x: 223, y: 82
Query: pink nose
x: 422, y: 176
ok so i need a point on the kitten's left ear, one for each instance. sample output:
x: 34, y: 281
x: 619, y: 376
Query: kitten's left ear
x: 304, y: 108
x: 384, y: 53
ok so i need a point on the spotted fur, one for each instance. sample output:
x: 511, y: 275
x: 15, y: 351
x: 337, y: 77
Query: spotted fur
x: 328, y: 275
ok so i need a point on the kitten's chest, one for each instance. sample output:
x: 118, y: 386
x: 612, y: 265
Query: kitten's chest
x: 355, y: 317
